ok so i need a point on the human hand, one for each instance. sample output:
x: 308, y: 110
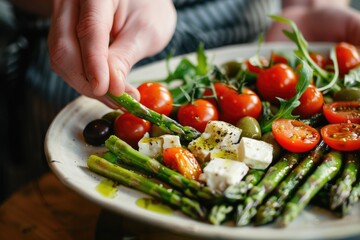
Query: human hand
x: 330, y: 23
x: 94, y: 44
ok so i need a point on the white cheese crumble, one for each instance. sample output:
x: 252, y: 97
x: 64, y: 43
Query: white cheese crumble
x: 255, y: 153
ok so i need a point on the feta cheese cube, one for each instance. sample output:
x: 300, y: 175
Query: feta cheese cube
x: 218, y: 137
x: 153, y: 147
x: 220, y: 173
x: 255, y: 153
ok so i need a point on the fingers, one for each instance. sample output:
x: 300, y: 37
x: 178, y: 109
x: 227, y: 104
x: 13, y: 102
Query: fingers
x: 64, y: 50
x: 93, y: 32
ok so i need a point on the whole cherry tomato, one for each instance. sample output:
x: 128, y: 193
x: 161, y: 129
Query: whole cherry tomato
x: 256, y: 69
x: 220, y: 89
x: 319, y: 59
x: 197, y: 114
x: 156, y: 97
x: 235, y: 106
x: 277, y: 81
x: 311, y: 102
x: 183, y: 161
x: 343, y: 111
x: 131, y: 128
x: 347, y: 57
x: 295, y: 136
x: 342, y: 136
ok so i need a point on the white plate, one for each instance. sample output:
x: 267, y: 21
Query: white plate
x: 67, y: 153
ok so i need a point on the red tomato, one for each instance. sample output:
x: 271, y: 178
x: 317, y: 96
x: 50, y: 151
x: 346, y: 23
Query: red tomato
x: 278, y: 81
x: 342, y: 136
x: 319, y: 59
x: 343, y: 111
x: 256, y: 69
x: 235, y: 106
x: 294, y: 135
x: 311, y: 102
x: 277, y: 58
x: 156, y: 97
x: 220, y: 90
x: 197, y: 114
x: 347, y: 57
x: 131, y: 128
x: 183, y: 161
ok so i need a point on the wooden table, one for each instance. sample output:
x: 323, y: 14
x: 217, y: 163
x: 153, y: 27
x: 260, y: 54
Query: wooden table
x: 47, y: 209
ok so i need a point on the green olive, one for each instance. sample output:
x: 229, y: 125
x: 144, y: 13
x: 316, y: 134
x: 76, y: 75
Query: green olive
x: 231, y: 68
x: 348, y: 94
x: 277, y: 149
x: 250, y: 127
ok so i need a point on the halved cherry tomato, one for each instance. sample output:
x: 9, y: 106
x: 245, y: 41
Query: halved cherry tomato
x: 277, y: 81
x: 311, y: 102
x: 220, y: 90
x: 343, y: 111
x: 156, y: 97
x: 342, y: 136
x: 295, y: 136
x: 183, y: 161
x: 235, y: 106
x: 131, y: 128
x: 197, y: 114
x: 347, y: 56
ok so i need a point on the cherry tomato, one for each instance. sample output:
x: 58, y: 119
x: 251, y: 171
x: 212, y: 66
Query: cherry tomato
x: 277, y: 81
x: 319, y: 59
x: 294, y: 135
x: 220, y: 90
x: 311, y: 102
x: 256, y: 69
x: 235, y: 106
x: 197, y: 114
x: 343, y: 111
x: 342, y: 136
x: 156, y: 97
x: 183, y: 161
x: 347, y: 57
x: 277, y: 58
x: 131, y: 128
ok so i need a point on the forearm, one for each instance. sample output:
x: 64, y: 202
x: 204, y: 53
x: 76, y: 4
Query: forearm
x: 38, y: 7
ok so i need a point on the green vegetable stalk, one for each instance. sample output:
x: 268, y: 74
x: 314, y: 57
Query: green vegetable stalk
x: 274, y: 175
x: 327, y: 170
x: 130, y: 156
x: 131, y: 179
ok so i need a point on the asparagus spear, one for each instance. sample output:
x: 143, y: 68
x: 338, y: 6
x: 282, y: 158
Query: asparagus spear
x: 245, y: 212
x: 220, y: 213
x: 274, y: 205
x: 353, y: 198
x: 130, y: 156
x: 239, y: 191
x: 131, y: 179
x: 187, y: 133
x: 341, y: 190
x: 325, y: 172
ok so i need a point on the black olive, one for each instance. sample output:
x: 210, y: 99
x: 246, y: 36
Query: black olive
x: 97, y: 131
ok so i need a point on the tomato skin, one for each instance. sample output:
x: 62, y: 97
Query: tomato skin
x: 131, y: 128
x: 156, y: 97
x: 347, y: 56
x: 278, y: 81
x: 294, y: 135
x: 319, y: 59
x: 277, y: 58
x: 342, y: 112
x: 235, y: 106
x: 197, y: 114
x: 183, y: 161
x: 256, y: 69
x: 342, y: 136
x: 311, y: 102
x: 220, y: 90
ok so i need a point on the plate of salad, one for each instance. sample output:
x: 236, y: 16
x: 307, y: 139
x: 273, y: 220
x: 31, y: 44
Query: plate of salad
x: 251, y: 141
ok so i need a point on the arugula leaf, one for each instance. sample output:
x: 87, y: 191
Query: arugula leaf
x: 352, y: 79
x: 287, y: 106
